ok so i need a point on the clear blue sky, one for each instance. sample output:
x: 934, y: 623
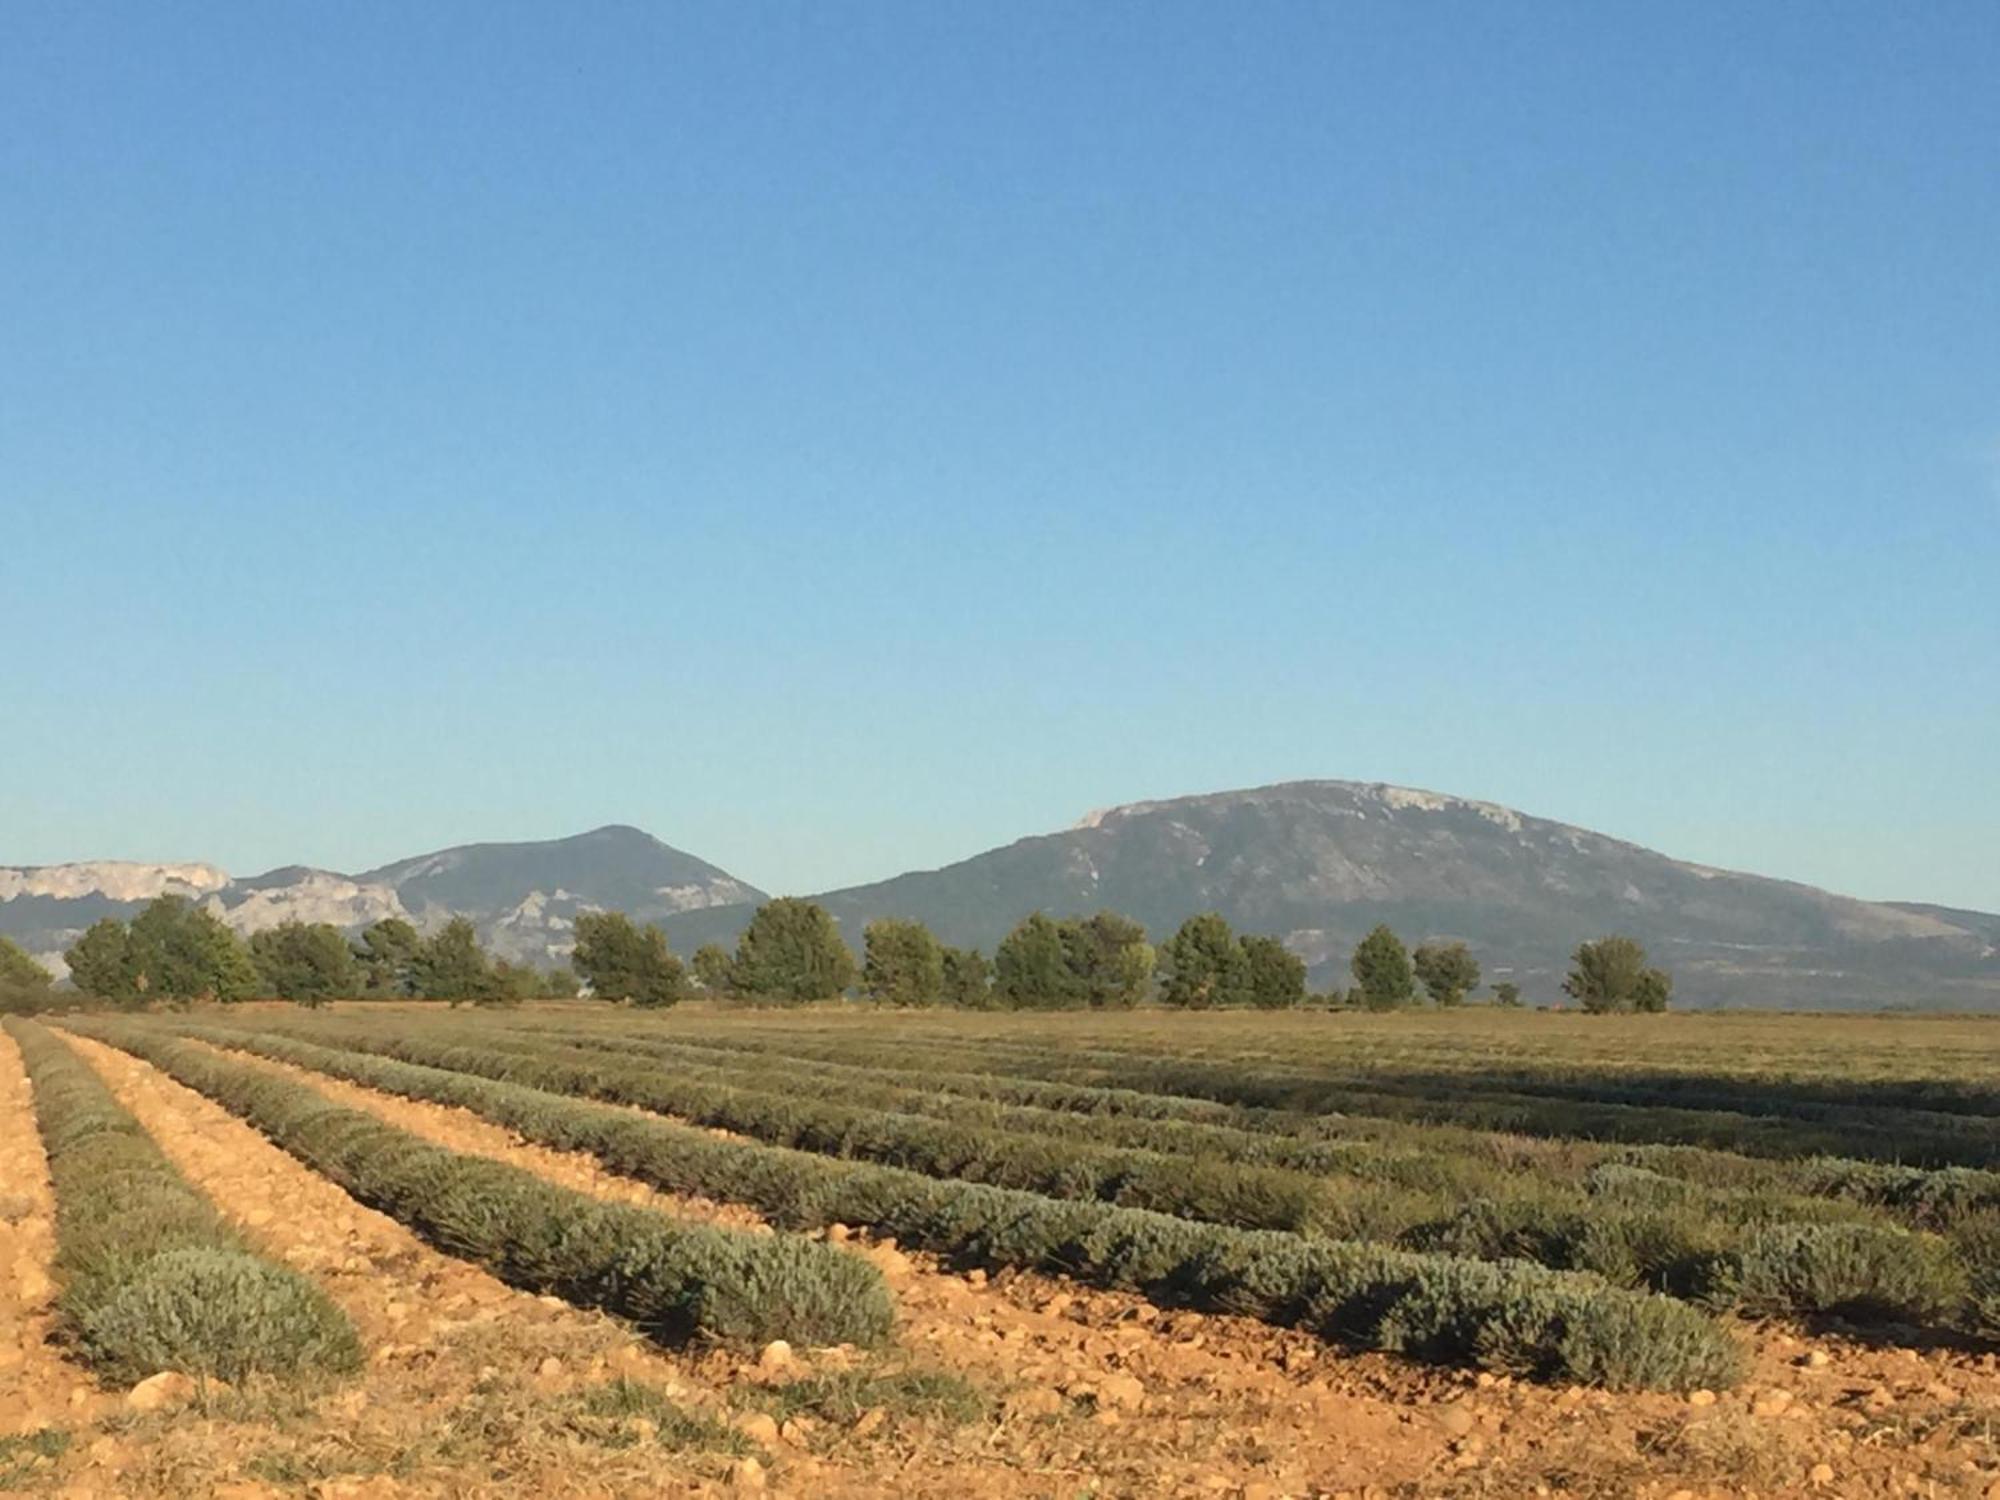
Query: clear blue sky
x: 839, y: 438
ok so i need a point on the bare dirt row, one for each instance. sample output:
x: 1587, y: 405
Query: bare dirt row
x: 1104, y: 1392
x: 466, y: 1388
x: 472, y: 1387
x: 38, y: 1387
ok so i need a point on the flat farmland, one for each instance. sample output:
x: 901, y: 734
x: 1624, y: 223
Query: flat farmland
x: 577, y: 1249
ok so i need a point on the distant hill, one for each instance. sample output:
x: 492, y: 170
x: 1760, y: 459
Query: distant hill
x: 1320, y: 862
x: 522, y: 897
x: 1316, y: 862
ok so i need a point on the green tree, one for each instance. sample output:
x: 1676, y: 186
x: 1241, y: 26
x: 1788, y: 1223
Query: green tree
x: 1381, y: 966
x: 176, y: 950
x: 1654, y: 990
x: 1448, y: 972
x: 1031, y: 968
x: 621, y: 961
x: 792, y: 951
x: 1611, y: 974
x: 712, y: 965
x: 1109, y: 960
x: 100, y: 961
x: 388, y: 954
x: 1507, y: 993
x: 967, y: 978
x: 311, y: 964
x: 452, y: 966
x: 1203, y: 965
x: 901, y: 963
x: 513, y: 983
x: 25, y: 986
x: 561, y: 982
x: 1274, y: 977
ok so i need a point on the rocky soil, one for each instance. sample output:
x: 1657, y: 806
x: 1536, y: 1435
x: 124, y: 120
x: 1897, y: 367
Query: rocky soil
x: 473, y: 1388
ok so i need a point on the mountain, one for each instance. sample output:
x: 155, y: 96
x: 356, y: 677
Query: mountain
x: 1317, y: 862
x: 1320, y: 862
x: 522, y: 897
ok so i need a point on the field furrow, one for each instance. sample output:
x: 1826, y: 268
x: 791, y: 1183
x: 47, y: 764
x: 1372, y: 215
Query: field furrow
x: 1768, y: 1253
x: 460, y: 1365
x: 1049, y: 1351
x: 39, y: 1389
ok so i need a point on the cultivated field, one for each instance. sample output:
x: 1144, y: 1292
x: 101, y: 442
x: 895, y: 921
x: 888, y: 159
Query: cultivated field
x: 392, y: 1249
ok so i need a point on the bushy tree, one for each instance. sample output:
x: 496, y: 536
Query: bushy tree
x: 388, y: 953
x: 452, y: 966
x: 967, y: 980
x: 712, y: 964
x: 792, y: 951
x: 1031, y: 969
x: 1274, y: 977
x: 560, y: 982
x: 1611, y: 974
x: 309, y: 963
x: 622, y: 961
x: 1448, y: 972
x: 901, y: 964
x: 1507, y: 993
x: 1381, y: 966
x: 173, y: 950
x: 25, y: 986
x: 99, y: 961
x: 1109, y: 960
x: 1203, y: 965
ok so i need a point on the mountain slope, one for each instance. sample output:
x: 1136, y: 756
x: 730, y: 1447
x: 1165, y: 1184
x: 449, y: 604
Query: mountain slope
x: 522, y: 897
x: 1320, y: 862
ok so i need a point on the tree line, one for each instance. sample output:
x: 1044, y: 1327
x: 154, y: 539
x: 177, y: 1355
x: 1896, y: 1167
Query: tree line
x: 792, y: 953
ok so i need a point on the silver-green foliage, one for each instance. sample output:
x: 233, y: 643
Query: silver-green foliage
x: 151, y: 1277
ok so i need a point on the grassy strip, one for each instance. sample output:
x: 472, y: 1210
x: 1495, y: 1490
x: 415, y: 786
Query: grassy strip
x: 675, y: 1281
x: 1266, y: 1089
x: 152, y: 1278
x: 1416, y: 1154
x: 1632, y: 1227
x: 1510, y: 1316
x: 1247, y: 1197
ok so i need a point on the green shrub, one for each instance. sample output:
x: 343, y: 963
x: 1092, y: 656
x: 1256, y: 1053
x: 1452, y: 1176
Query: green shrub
x: 222, y: 1312
x: 1512, y: 1316
x: 151, y: 1277
x: 1852, y: 1270
x: 1978, y: 1244
x: 676, y: 1281
x: 608, y: 1414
